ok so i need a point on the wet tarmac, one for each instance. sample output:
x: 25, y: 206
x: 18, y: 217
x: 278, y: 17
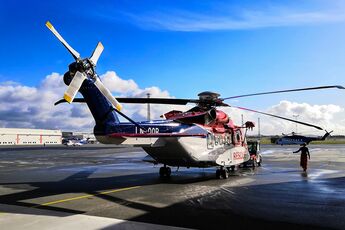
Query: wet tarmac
x: 98, y: 181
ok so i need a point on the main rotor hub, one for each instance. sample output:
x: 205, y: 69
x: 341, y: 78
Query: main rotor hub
x: 209, y: 100
x: 208, y: 96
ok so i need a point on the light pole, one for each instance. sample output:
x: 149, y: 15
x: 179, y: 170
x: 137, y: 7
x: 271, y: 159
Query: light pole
x: 296, y: 116
x: 148, y: 108
x: 259, y: 134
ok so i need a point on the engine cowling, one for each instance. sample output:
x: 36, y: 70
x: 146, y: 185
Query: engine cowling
x: 209, y: 117
x: 221, y: 117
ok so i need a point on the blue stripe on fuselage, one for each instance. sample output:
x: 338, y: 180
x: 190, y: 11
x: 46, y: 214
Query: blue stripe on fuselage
x: 158, y: 126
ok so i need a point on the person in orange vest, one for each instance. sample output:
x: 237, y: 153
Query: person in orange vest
x: 304, y: 156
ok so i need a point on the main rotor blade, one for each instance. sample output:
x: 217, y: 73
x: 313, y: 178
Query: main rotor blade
x: 107, y: 94
x: 285, y: 91
x: 96, y: 53
x: 74, y: 86
x: 284, y: 118
x: 74, y: 53
x: 152, y: 100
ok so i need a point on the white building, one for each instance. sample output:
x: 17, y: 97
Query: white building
x: 9, y: 136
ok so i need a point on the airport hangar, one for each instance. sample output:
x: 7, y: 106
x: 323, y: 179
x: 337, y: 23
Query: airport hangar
x: 17, y: 136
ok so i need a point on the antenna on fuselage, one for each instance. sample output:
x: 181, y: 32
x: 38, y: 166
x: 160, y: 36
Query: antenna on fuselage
x: 259, y: 134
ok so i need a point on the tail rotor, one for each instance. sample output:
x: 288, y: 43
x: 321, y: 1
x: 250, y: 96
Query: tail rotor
x: 82, y: 70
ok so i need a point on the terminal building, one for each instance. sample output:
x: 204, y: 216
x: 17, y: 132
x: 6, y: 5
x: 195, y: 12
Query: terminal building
x: 12, y: 136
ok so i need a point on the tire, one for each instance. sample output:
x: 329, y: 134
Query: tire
x: 162, y: 171
x: 168, y: 172
x: 224, y: 174
x: 260, y: 161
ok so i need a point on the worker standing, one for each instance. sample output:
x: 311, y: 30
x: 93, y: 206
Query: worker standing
x: 304, y: 156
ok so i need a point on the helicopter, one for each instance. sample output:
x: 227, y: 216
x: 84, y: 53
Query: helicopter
x: 297, y: 139
x: 203, y: 136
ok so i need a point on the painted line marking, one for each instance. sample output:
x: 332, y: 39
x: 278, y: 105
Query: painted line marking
x: 85, y: 196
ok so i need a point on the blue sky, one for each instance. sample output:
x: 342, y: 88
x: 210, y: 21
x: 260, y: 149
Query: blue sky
x: 185, y: 47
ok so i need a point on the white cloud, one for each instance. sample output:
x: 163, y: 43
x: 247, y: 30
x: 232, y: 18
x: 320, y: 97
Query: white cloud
x: 128, y: 88
x: 325, y: 116
x: 221, y: 19
x: 117, y: 85
x: 33, y: 107
x: 320, y: 115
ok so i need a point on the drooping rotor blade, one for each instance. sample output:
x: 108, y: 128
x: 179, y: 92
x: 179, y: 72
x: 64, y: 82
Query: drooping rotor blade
x: 96, y: 53
x: 74, y: 86
x: 152, y: 100
x: 285, y: 91
x: 107, y: 94
x: 284, y: 118
x: 74, y: 53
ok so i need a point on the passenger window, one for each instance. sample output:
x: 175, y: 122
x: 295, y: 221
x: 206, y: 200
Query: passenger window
x: 228, y: 138
x: 210, y: 141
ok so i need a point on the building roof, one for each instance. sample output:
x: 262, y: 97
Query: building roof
x: 29, y: 131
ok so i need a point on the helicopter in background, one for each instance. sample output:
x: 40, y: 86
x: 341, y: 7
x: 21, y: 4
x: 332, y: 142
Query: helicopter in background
x: 203, y: 136
x: 295, y: 139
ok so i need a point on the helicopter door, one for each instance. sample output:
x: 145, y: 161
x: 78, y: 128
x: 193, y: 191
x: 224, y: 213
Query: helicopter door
x: 210, y: 141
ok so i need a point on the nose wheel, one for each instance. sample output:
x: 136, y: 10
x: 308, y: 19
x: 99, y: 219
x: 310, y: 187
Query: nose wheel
x: 165, y: 171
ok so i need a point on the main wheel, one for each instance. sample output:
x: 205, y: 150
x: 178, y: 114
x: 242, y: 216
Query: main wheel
x: 255, y: 163
x: 260, y: 161
x: 162, y: 171
x: 218, y: 174
x: 168, y: 171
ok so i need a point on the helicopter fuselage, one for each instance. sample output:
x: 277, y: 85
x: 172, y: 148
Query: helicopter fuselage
x: 177, y: 144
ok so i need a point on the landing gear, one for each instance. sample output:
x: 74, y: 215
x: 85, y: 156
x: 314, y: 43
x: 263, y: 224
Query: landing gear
x: 255, y: 163
x: 218, y: 174
x: 165, y: 171
x: 222, y: 173
x: 260, y: 161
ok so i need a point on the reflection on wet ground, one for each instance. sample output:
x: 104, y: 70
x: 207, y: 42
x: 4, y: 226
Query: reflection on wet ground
x: 115, y: 183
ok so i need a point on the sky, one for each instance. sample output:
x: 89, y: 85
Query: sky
x: 177, y: 49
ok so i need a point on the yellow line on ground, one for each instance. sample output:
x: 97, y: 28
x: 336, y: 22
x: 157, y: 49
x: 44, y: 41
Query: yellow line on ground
x: 85, y: 196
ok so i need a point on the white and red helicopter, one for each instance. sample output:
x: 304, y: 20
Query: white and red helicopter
x: 203, y: 136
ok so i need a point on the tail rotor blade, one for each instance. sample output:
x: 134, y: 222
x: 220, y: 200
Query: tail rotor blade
x: 74, y: 53
x: 96, y: 53
x: 284, y: 118
x: 74, y: 86
x: 107, y: 94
